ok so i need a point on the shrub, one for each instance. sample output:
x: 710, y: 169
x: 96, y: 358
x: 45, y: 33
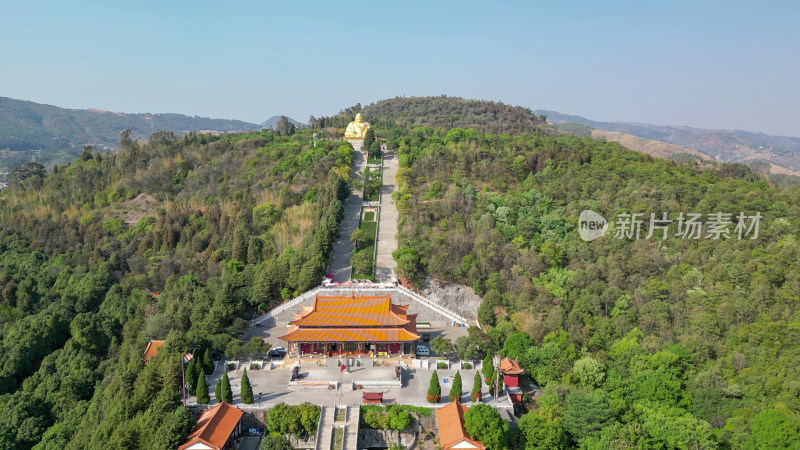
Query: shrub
x: 434, y: 390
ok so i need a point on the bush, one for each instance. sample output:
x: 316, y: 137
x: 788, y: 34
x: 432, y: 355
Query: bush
x: 442, y: 365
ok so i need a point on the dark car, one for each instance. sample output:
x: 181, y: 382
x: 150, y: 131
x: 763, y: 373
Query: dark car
x: 277, y: 352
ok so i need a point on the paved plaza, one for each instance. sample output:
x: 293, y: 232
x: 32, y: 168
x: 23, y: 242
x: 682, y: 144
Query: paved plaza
x: 272, y: 386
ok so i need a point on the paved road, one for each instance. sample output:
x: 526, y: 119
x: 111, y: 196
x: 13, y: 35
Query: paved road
x: 387, y: 226
x: 339, y: 264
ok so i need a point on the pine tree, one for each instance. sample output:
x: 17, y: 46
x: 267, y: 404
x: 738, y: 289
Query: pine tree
x: 476, y: 386
x: 218, y: 391
x: 369, y: 138
x: 455, y: 389
x: 191, y: 375
x: 488, y: 369
x: 246, y: 393
x: 208, y: 364
x: 227, y: 393
x: 202, y: 389
x: 434, y: 390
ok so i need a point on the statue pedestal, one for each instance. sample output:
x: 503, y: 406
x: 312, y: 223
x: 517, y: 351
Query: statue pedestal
x: 356, y: 143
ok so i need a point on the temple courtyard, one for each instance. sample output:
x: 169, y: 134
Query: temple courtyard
x: 272, y: 386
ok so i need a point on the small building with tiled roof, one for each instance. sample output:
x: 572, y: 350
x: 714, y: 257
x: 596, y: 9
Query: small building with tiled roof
x: 511, y: 371
x: 152, y: 348
x: 452, y: 435
x: 217, y: 429
x: 352, y: 325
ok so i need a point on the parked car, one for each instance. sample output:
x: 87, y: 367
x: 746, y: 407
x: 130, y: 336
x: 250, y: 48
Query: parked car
x: 277, y: 352
x: 423, y: 351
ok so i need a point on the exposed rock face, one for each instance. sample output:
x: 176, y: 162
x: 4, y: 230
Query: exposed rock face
x: 455, y: 297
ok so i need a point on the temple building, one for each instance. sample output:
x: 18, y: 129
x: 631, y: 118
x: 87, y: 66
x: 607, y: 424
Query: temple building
x: 217, y: 429
x: 511, y: 371
x: 352, y: 325
x: 450, y: 422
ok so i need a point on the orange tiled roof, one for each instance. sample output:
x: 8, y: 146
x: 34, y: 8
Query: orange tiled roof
x: 351, y: 311
x: 152, y: 348
x: 349, y: 335
x: 510, y: 366
x: 450, y: 420
x: 214, y: 427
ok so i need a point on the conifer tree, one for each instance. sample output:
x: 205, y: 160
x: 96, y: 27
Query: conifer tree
x: 369, y: 138
x: 455, y: 389
x: 218, y: 391
x: 227, y: 393
x: 202, y: 389
x: 434, y: 390
x: 476, y: 386
x: 208, y: 364
x: 488, y: 369
x: 246, y: 393
x: 191, y: 375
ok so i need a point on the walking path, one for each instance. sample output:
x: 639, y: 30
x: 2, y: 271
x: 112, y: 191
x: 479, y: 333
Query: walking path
x: 387, y: 224
x: 325, y: 432
x: 339, y: 264
x: 351, y: 428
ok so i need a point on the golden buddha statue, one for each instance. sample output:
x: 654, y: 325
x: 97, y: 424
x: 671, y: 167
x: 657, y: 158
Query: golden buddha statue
x: 357, y: 129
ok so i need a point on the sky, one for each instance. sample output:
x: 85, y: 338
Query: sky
x: 707, y: 64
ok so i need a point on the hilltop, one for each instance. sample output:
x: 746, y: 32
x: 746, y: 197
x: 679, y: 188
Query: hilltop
x: 443, y: 111
x: 50, y: 133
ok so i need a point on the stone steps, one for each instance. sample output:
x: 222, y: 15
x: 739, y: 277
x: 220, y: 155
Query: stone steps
x: 326, y: 425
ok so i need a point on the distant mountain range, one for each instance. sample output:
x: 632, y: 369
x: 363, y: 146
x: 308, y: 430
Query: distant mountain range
x: 778, y: 154
x: 48, y: 133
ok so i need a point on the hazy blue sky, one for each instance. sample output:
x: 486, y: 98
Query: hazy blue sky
x: 704, y: 64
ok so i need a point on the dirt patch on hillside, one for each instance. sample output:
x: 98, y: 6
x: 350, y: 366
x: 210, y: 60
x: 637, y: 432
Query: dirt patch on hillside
x: 135, y: 209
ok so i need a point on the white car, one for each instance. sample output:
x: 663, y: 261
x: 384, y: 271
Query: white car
x: 423, y: 350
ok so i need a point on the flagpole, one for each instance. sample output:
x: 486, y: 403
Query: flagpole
x: 183, y: 379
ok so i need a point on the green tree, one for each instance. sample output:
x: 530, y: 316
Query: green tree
x: 246, y: 393
x: 589, y: 371
x: 456, y: 388
x: 434, y: 390
x: 442, y: 345
x: 488, y: 369
x: 543, y: 429
x: 191, y: 375
x: 227, y: 393
x: 218, y: 394
x: 483, y: 422
x: 275, y: 442
x: 369, y: 138
x: 284, y: 127
x: 773, y: 428
x: 517, y: 345
x: 362, y: 262
x: 202, y: 389
x: 27, y: 176
x: 208, y: 363
x: 476, y: 386
x: 586, y: 413
x: 399, y: 420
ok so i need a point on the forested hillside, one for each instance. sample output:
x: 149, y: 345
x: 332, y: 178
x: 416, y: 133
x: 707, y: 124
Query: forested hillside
x: 443, y: 111
x: 49, y: 133
x: 649, y: 343
x: 238, y: 223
